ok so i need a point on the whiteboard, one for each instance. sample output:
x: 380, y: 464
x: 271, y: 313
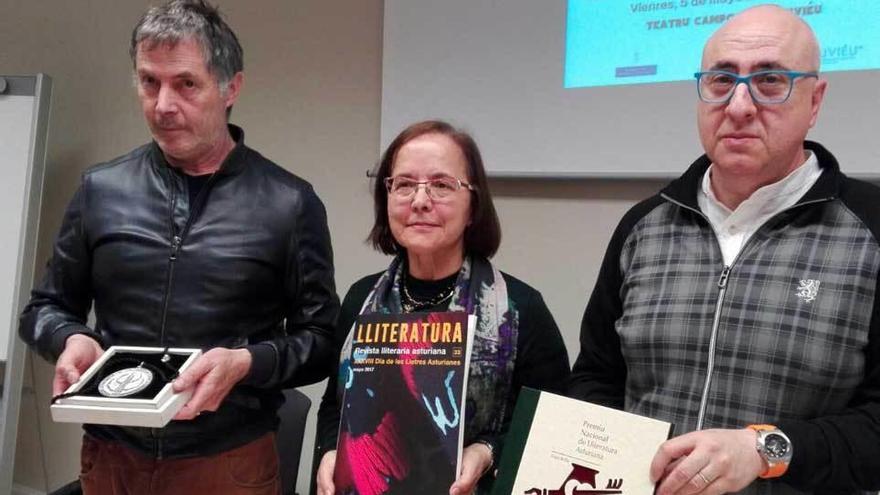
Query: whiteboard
x: 24, y: 111
x: 16, y: 121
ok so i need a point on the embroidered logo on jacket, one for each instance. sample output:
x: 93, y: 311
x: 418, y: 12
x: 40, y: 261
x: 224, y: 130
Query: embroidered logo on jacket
x: 808, y: 289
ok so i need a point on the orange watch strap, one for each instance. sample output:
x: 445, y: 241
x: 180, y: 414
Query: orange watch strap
x: 762, y: 427
x: 775, y: 470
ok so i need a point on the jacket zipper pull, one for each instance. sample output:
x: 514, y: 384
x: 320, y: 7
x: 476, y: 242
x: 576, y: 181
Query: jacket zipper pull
x: 175, y: 247
x: 722, y: 280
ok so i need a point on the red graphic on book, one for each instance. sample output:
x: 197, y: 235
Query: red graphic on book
x: 581, y: 475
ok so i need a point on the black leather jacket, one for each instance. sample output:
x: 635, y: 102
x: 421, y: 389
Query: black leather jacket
x: 248, y: 264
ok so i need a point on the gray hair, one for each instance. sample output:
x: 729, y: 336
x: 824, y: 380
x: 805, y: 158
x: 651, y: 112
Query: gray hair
x: 178, y: 20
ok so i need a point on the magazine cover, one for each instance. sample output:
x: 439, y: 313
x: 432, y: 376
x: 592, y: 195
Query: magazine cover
x: 403, y: 406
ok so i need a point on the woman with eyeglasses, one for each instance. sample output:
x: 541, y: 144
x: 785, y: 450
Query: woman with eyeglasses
x: 435, y: 216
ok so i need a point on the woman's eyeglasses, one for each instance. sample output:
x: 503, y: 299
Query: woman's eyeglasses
x: 438, y: 188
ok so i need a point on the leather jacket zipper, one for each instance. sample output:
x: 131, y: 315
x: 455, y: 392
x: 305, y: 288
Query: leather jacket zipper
x: 157, y: 433
x: 176, y: 243
x: 172, y: 257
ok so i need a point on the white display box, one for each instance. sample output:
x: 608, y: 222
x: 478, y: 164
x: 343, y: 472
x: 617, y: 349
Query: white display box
x: 155, y: 412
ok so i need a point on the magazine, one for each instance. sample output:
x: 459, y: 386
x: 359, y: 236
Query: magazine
x: 401, y: 427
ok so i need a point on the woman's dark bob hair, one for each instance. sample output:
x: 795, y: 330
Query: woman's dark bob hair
x: 482, y: 235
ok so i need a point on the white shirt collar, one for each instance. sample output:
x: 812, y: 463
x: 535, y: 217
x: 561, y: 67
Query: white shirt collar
x: 733, y: 228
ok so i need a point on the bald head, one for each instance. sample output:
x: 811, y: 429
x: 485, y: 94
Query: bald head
x: 752, y: 144
x: 762, y: 26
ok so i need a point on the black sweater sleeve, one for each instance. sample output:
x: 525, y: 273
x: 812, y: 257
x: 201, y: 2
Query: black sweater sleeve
x: 599, y: 372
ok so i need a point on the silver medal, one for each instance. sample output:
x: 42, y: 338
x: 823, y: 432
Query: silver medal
x: 125, y: 382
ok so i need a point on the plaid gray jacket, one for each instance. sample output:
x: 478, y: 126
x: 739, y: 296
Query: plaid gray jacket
x: 788, y: 334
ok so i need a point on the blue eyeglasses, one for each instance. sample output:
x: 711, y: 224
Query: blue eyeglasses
x: 766, y: 87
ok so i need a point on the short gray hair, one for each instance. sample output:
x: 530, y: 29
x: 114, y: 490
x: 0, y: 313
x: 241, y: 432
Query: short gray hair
x: 178, y: 20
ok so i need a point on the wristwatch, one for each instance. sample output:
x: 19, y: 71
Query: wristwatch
x: 775, y: 448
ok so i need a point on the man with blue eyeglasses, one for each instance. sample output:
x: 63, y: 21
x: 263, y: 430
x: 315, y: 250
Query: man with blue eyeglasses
x: 741, y: 302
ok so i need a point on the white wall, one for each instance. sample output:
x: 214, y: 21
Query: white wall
x: 311, y: 103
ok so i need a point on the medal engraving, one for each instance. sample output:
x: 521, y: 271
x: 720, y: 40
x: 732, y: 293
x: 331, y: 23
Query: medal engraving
x: 125, y: 382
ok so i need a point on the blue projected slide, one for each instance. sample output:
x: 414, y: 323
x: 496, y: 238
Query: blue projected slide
x: 612, y: 42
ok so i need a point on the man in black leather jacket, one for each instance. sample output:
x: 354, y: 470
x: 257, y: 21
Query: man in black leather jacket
x: 193, y: 240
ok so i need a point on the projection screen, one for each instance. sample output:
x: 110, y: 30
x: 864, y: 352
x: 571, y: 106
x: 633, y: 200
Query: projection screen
x: 602, y: 88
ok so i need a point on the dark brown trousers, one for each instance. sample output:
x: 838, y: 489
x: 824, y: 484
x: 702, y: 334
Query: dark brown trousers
x: 109, y: 468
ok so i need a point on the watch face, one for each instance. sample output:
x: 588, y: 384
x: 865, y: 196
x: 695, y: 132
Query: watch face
x: 776, y: 446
